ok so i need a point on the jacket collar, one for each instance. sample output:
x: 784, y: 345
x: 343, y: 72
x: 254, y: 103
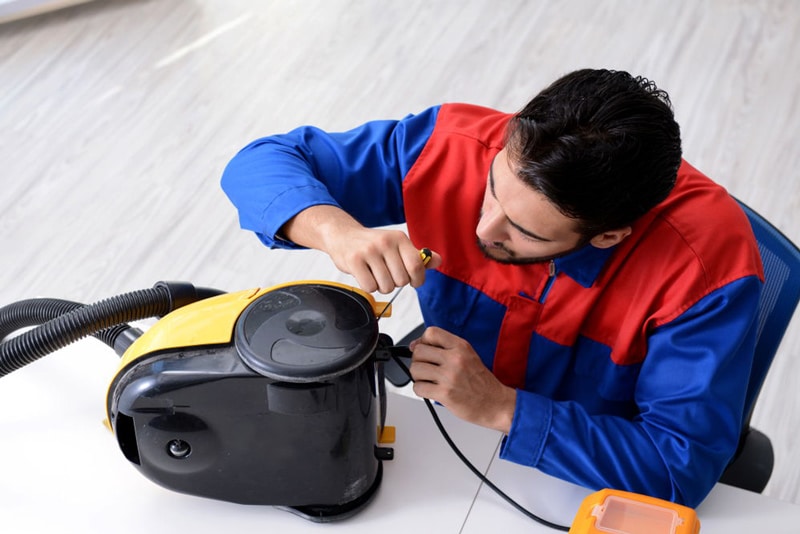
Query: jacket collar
x: 585, y: 264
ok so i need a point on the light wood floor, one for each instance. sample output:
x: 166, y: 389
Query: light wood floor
x: 117, y: 118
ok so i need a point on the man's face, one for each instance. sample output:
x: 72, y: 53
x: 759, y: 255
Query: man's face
x: 519, y: 225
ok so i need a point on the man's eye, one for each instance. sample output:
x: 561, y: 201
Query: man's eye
x: 527, y: 237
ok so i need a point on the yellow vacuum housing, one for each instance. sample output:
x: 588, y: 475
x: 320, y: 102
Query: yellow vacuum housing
x: 266, y: 396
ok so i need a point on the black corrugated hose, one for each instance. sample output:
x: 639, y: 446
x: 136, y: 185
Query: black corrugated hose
x: 33, y: 312
x: 64, y: 322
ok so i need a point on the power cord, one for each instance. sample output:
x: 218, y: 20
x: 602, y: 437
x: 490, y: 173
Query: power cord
x: 469, y: 465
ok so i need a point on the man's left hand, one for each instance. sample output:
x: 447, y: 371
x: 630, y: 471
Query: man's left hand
x: 447, y: 369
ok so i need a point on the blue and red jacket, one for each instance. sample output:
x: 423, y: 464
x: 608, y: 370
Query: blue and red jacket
x: 631, y: 363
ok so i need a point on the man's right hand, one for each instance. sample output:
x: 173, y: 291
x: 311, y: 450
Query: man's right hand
x: 380, y: 260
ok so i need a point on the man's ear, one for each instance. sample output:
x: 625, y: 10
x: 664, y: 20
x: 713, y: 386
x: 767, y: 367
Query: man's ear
x: 610, y: 238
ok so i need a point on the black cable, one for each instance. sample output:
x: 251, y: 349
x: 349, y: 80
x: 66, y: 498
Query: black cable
x: 471, y: 467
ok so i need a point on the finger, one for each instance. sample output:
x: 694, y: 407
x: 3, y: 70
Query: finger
x: 380, y: 273
x: 397, y: 266
x: 425, y: 390
x: 413, y: 264
x: 437, y: 337
x: 386, y: 259
x: 435, y: 261
x: 417, y: 266
x: 420, y: 352
x: 427, y: 354
x: 364, y: 277
x: 424, y: 372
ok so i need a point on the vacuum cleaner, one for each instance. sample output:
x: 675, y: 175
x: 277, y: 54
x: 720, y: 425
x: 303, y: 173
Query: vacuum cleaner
x: 264, y: 396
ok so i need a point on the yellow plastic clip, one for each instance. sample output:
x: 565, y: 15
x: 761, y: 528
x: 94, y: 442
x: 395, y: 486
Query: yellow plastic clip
x: 387, y: 434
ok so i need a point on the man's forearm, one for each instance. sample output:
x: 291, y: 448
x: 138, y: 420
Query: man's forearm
x: 316, y: 226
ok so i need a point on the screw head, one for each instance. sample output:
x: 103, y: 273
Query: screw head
x: 179, y: 449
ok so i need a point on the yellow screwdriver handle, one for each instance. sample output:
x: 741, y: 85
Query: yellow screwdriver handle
x: 426, y: 255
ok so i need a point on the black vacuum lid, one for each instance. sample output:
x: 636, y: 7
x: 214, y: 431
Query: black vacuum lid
x: 306, y: 332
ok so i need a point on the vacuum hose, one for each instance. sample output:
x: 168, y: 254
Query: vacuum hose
x: 64, y: 322
x: 33, y: 312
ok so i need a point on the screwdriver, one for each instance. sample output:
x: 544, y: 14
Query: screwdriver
x: 425, y: 255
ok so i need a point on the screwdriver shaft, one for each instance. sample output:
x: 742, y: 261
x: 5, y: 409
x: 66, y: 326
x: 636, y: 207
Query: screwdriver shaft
x: 425, y: 255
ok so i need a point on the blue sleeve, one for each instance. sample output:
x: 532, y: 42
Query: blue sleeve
x: 690, y: 394
x: 361, y: 171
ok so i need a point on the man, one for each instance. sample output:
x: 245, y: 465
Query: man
x: 591, y: 296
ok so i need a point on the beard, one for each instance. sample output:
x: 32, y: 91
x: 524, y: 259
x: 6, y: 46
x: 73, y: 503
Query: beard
x: 499, y: 253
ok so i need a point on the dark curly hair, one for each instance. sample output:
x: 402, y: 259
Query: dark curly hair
x: 602, y: 145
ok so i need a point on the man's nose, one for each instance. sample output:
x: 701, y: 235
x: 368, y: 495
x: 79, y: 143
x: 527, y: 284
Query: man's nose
x: 491, y: 226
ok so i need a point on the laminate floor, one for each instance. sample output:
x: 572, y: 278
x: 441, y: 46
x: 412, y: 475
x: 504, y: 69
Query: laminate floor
x: 117, y: 118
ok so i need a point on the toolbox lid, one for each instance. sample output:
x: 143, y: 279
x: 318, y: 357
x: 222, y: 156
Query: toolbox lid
x: 306, y: 332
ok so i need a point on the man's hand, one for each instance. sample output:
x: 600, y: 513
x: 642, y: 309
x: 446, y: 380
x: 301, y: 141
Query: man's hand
x: 380, y: 260
x: 447, y: 369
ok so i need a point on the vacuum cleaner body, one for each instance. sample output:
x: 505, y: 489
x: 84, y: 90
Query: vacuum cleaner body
x: 258, y: 397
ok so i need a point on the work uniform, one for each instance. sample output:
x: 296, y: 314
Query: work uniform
x: 631, y: 363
